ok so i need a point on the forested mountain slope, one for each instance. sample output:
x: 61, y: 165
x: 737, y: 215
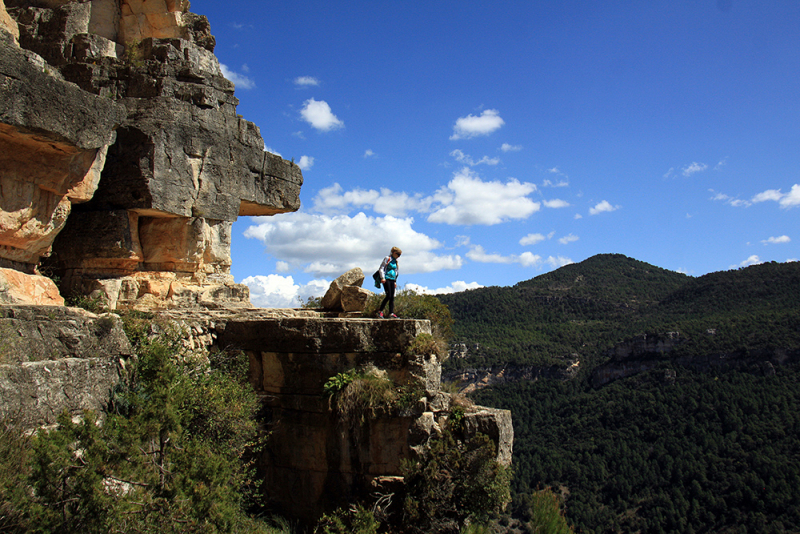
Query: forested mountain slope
x: 583, y: 309
x: 701, y: 432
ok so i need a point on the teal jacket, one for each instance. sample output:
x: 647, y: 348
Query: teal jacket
x: 388, y: 268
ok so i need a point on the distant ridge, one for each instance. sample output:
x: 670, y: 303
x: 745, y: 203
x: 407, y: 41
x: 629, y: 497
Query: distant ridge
x: 585, y: 308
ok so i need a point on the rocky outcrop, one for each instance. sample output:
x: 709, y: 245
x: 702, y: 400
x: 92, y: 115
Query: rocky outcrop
x: 54, y: 359
x: 130, y: 177
x: 312, y: 462
x: 657, y: 351
x: 472, y: 379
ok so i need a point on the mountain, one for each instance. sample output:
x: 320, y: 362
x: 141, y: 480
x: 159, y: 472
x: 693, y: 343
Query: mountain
x: 650, y: 400
x: 580, y: 311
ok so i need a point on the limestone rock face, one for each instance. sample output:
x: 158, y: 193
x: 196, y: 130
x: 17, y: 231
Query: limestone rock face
x: 20, y: 288
x: 54, y: 359
x: 7, y: 23
x: 142, y: 167
x: 53, y: 140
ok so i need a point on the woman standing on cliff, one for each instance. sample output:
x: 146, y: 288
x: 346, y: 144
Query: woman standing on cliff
x: 388, y: 271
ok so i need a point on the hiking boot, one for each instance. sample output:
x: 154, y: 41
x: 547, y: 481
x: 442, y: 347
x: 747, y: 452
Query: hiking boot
x: 380, y: 314
x: 393, y: 316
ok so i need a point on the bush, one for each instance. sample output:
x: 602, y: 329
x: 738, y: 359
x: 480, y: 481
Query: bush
x: 411, y: 305
x: 456, y: 482
x: 170, y: 458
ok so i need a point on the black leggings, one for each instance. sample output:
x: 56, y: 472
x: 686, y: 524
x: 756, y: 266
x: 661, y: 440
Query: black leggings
x: 389, y: 286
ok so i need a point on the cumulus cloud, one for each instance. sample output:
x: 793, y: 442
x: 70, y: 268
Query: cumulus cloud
x: 558, y: 261
x: 368, y: 153
x: 327, y: 246
x: 479, y: 255
x: 466, y: 159
x: 472, y: 126
x: 305, y: 163
x: 318, y: 114
x: 567, y: 239
x: 693, y: 168
x: 468, y: 200
x: 334, y: 199
x: 602, y: 207
x: 455, y: 287
x: 239, y: 80
x: 777, y: 240
x: 785, y: 200
x: 306, y: 81
x: 556, y: 203
x: 532, y: 239
x: 275, y: 291
x: 752, y: 260
x: 505, y: 147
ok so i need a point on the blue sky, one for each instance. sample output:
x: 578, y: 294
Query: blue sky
x: 496, y: 142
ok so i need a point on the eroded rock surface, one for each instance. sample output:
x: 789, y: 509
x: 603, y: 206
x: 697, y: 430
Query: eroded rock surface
x: 139, y: 165
x: 54, y: 359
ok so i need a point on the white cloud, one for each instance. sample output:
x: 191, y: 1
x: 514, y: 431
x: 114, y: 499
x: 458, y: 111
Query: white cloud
x: 769, y: 194
x: 752, y: 260
x: 455, y: 287
x: 464, y: 158
x: 558, y: 261
x: 777, y: 240
x: 693, y: 168
x: 471, y: 126
x: 567, y: 239
x: 727, y: 199
x: 282, y: 267
x: 318, y: 114
x: 275, y: 291
x: 328, y: 246
x: 555, y: 203
x: 721, y: 163
x: 479, y: 255
x: 305, y: 163
x: 239, y: 80
x: 386, y: 202
x: 505, y: 147
x: 792, y: 198
x: 368, y: 153
x: 669, y: 172
x: 603, y: 206
x: 550, y: 183
x: 271, y: 151
x: 468, y: 200
x: 578, y: 216
x: 531, y: 239
x: 306, y: 81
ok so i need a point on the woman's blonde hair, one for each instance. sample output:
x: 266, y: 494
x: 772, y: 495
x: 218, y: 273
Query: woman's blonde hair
x: 395, y: 249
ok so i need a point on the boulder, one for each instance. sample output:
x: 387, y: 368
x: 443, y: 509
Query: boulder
x: 332, y: 298
x: 354, y: 299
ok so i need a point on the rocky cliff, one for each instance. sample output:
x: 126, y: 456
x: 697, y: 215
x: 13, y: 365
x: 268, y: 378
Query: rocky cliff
x: 123, y: 162
x: 122, y: 167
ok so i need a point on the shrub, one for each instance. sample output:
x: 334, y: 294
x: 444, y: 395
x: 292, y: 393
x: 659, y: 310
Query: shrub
x: 411, y: 305
x: 456, y: 482
x: 360, y: 396
x: 170, y: 460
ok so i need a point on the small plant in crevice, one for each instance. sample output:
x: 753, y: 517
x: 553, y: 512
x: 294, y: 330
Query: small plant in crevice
x: 96, y: 304
x: 358, y: 396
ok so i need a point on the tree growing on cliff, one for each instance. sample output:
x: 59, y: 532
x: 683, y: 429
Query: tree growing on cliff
x: 167, y: 458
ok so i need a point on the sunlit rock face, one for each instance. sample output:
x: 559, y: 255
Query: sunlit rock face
x: 144, y: 165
